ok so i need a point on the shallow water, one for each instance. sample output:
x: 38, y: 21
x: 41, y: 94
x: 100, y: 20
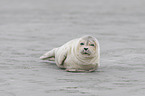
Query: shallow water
x: 29, y: 28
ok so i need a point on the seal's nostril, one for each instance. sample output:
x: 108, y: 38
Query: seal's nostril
x: 85, y: 48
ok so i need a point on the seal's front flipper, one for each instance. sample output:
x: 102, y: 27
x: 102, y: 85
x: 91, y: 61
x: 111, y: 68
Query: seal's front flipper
x: 50, y: 55
x: 61, y: 56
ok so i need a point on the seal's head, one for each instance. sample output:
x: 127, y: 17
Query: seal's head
x: 88, y: 46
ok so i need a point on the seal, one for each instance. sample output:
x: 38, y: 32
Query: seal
x: 81, y: 54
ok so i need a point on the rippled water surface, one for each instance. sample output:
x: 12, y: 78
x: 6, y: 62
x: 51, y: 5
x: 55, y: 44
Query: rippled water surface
x: 29, y: 28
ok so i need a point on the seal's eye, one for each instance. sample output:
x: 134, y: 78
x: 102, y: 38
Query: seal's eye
x: 92, y: 45
x: 81, y: 43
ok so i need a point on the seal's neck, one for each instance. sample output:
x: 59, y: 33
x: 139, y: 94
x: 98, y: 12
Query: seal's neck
x: 84, y: 60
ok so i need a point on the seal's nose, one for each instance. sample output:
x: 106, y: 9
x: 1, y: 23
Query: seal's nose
x: 85, y: 48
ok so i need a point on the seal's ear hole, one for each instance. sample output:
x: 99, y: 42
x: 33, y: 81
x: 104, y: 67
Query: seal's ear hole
x: 92, y: 45
x: 81, y: 43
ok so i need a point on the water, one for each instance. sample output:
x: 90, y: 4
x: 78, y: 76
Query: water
x: 29, y: 28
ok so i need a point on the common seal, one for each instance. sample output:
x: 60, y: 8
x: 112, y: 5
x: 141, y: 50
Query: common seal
x: 81, y: 54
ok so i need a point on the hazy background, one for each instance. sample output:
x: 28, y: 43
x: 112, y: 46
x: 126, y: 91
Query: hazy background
x: 29, y: 28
